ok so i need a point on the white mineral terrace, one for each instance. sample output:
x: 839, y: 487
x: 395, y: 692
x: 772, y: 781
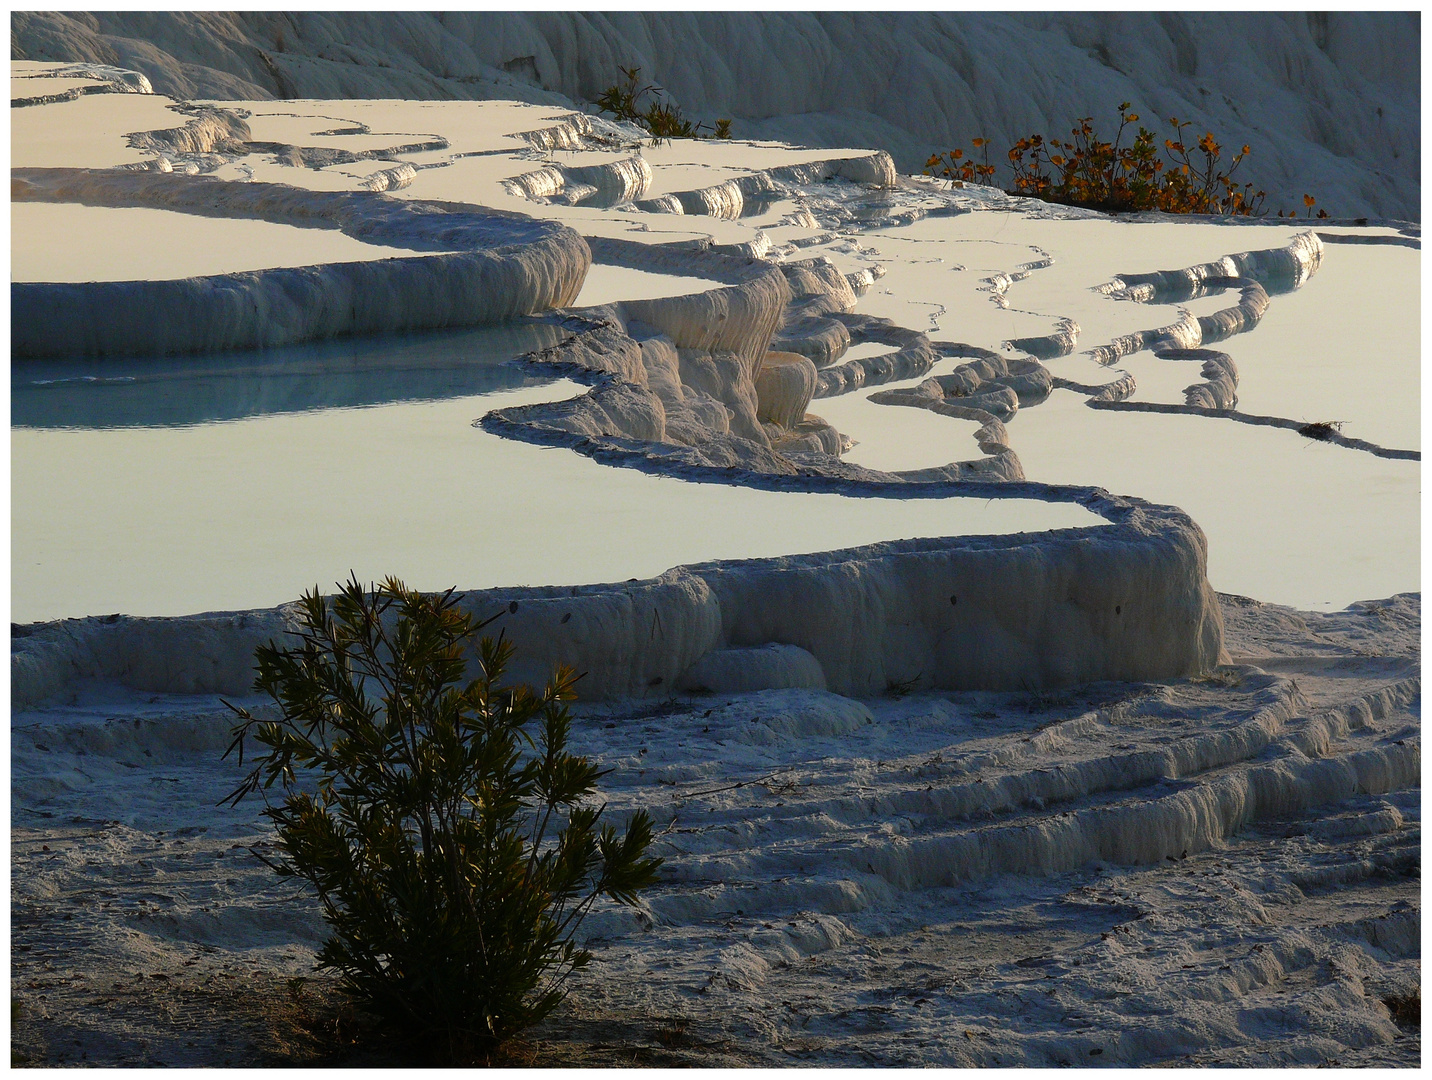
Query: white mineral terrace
x: 924, y: 549
x: 990, y: 277
x: 941, y: 277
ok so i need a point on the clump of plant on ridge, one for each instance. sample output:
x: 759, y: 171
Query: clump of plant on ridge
x: 1116, y: 178
x: 661, y: 118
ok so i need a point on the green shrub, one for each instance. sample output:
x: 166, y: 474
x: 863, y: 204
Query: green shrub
x: 451, y: 847
x: 1109, y: 176
x: 620, y: 99
x: 662, y: 119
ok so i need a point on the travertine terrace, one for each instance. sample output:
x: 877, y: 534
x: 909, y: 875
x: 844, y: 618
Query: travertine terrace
x: 962, y: 583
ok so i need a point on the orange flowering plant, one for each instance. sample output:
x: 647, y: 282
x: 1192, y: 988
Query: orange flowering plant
x: 1116, y: 177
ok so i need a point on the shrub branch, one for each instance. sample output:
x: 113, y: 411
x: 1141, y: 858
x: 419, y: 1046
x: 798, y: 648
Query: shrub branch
x: 454, y: 852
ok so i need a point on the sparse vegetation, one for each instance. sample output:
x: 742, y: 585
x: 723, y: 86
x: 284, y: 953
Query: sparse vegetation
x: 454, y: 851
x: 1322, y: 430
x: 1118, y: 178
x: 661, y: 118
x: 901, y: 687
x: 673, y: 1032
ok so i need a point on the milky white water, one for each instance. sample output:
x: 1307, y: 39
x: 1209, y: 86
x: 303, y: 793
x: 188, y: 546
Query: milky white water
x: 55, y: 242
x: 938, y: 271
x: 895, y: 439
x: 1289, y: 520
x: 91, y: 132
x: 1345, y: 347
x: 609, y: 284
x: 249, y: 513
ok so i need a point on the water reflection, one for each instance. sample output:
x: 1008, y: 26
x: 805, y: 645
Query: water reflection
x: 177, y: 391
x: 759, y: 202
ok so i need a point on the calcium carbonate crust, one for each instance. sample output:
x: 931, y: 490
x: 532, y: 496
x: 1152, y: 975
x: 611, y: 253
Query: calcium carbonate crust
x: 710, y: 387
x: 953, y: 613
x: 1330, y: 102
x: 723, y: 379
x: 627, y: 180
x: 1128, y: 600
x: 1255, y: 274
x: 488, y: 267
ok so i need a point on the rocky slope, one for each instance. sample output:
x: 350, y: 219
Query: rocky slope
x: 1330, y: 102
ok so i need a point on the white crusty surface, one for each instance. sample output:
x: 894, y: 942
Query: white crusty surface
x: 1222, y: 870
x: 1126, y: 600
x: 1329, y: 101
x: 1040, y: 798
x: 496, y: 267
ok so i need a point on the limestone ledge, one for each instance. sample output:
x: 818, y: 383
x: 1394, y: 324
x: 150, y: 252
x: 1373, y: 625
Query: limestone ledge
x: 1128, y: 600
x: 489, y: 267
x: 721, y: 378
x: 626, y: 181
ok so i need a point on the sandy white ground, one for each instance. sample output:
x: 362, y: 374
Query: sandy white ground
x: 1218, y: 869
x: 801, y: 916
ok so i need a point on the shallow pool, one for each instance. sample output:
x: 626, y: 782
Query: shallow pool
x: 1288, y: 519
x: 343, y: 373
x: 250, y: 480
x: 609, y: 284
x: 56, y: 242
